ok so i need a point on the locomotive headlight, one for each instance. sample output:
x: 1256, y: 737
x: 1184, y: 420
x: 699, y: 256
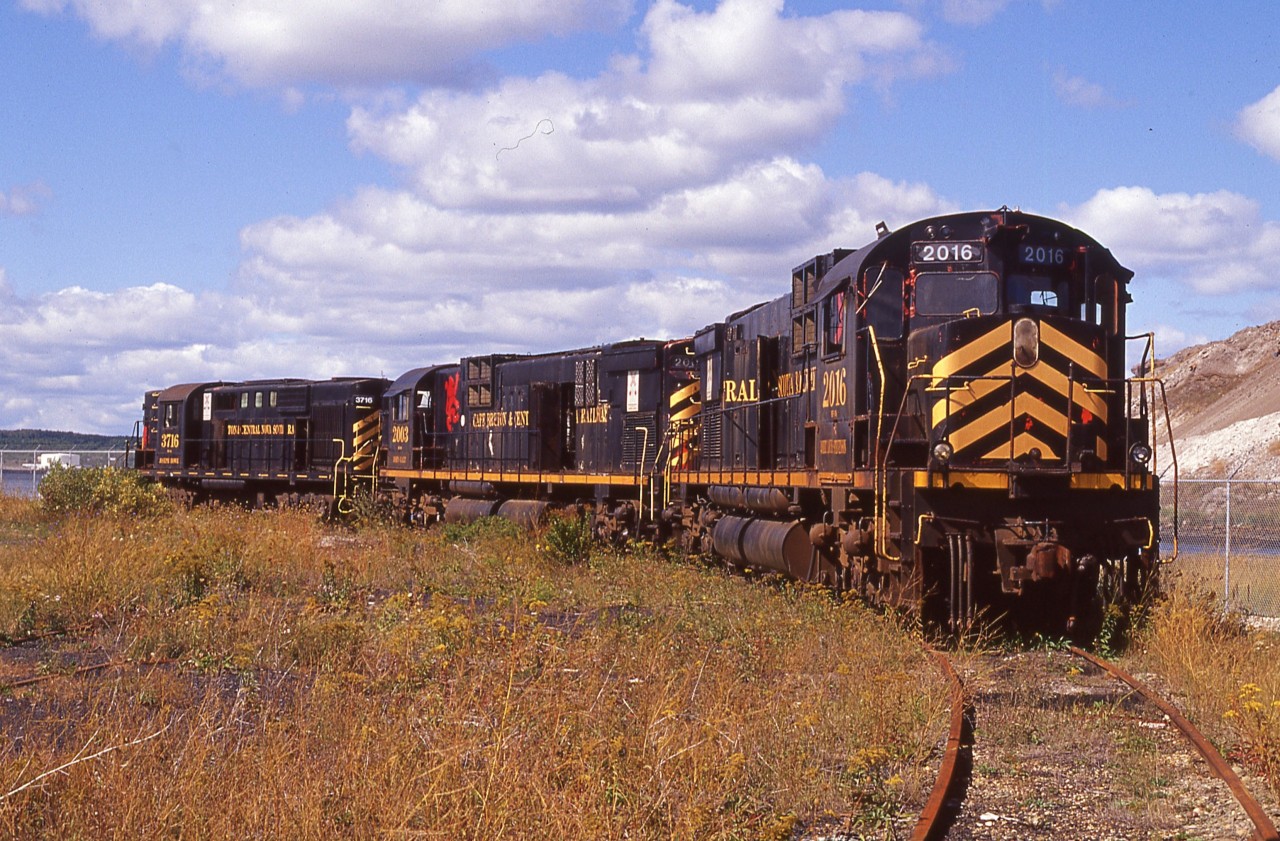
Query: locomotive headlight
x: 1026, y: 342
x: 942, y: 452
x: 1140, y: 453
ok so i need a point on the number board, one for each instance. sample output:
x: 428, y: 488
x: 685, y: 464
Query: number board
x: 935, y: 253
x: 1042, y: 255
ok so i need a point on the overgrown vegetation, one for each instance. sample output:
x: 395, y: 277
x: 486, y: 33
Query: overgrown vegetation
x: 567, y: 540
x: 1229, y: 672
x: 107, y: 490
x: 281, y: 677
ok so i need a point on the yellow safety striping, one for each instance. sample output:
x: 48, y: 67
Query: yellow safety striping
x: 1077, y: 391
x: 970, y: 352
x: 689, y: 392
x: 1023, y: 404
x: 1023, y: 443
x: 1073, y: 350
x: 1000, y: 480
x: 970, y: 392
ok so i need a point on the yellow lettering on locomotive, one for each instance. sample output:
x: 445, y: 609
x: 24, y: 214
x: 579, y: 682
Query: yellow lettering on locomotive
x: 500, y: 420
x: 400, y: 433
x: 236, y: 430
x: 593, y: 414
x: 170, y: 441
x: 833, y: 447
x: 835, y: 391
x: 795, y: 383
x: 741, y: 391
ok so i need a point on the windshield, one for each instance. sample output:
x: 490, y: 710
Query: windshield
x: 957, y: 293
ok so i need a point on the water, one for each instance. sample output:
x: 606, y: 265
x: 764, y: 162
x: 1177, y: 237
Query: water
x: 20, y: 482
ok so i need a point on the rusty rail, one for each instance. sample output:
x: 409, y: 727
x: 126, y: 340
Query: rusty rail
x: 6, y: 686
x: 933, y: 821
x: 1265, y: 830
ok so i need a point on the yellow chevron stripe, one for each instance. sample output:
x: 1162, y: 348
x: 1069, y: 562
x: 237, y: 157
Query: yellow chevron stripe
x: 971, y: 352
x: 1059, y: 382
x: 689, y: 392
x: 971, y: 391
x: 1022, y: 444
x: 975, y: 390
x: 685, y: 414
x: 1023, y: 404
x: 1073, y: 350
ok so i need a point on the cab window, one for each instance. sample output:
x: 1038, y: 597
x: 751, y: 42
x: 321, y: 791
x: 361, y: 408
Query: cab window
x: 957, y: 293
x: 1035, y: 291
x: 880, y: 300
x: 833, y: 311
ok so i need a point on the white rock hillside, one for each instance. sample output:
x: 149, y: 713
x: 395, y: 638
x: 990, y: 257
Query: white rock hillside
x: 1224, y: 402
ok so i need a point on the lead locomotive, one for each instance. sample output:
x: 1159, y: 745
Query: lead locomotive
x: 940, y: 420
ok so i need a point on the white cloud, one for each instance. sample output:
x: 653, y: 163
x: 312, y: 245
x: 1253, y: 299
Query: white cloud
x: 1081, y: 93
x: 969, y: 12
x: 24, y: 199
x: 1215, y: 243
x: 717, y: 91
x: 972, y: 12
x: 410, y: 270
x: 1259, y: 124
x: 342, y: 42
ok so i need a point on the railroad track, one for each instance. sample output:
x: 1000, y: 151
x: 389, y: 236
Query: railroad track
x: 1011, y: 789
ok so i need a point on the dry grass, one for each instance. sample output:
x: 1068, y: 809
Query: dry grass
x: 283, y: 679
x: 1229, y: 673
x: 1255, y: 578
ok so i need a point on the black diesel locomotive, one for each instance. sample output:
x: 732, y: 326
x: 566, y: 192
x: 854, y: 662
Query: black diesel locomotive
x: 940, y: 420
x: 264, y: 441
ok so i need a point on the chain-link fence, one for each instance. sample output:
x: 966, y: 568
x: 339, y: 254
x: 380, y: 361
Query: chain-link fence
x: 1229, y: 538
x: 22, y: 470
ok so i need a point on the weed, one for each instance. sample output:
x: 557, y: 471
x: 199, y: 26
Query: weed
x: 1228, y: 672
x: 110, y: 490
x: 369, y: 510
x: 567, y: 539
x: 485, y: 528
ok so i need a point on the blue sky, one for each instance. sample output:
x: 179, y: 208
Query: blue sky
x: 213, y: 189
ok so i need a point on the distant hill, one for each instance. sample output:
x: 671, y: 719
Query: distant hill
x: 43, y: 439
x: 1224, y: 404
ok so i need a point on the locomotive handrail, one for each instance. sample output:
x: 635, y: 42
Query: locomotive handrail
x: 893, y: 433
x: 880, y: 464
x: 1173, y: 456
x: 338, y: 500
x: 640, y: 467
x: 1154, y: 382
